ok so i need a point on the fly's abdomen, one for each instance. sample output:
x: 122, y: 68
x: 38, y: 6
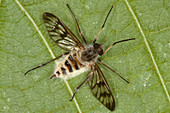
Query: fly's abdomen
x: 69, y: 67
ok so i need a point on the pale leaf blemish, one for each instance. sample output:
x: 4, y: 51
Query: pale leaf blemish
x: 94, y: 23
x: 165, y: 55
x: 120, y: 61
x: 87, y: 6
x: 8, y: 99
x: 160, y: 46
x: 144, y: 84
x: 36, y: 77
x: 139, y: 14
x: 146, y: 80
x: 4, y: 94
x: 5, y: 108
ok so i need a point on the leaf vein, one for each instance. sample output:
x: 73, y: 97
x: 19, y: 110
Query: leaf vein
x: 149, y: 49
x: 48, y: 47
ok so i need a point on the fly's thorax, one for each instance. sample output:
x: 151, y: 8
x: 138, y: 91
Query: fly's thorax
x: 91, y: 53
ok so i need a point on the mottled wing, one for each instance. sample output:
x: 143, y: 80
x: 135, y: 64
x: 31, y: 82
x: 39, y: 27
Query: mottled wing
x: 100, y: 88
x: 59, y: 32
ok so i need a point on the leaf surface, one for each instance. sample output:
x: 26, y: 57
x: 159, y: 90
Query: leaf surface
x: 24, y: 44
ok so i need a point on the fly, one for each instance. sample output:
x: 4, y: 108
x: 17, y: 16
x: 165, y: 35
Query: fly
x: 80, y: 57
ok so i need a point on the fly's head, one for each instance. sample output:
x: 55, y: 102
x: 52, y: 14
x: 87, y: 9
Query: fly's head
x: 98, y: 48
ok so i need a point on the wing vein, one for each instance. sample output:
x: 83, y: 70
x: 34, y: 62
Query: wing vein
x: 100, y: 88
x: 48, y: 47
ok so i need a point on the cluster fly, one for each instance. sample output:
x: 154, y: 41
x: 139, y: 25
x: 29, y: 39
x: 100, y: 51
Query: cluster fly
x: 80, y: 57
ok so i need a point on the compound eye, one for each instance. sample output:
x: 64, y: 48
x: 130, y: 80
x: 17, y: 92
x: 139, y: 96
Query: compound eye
x: 96, y: 46
x: 100, y: 52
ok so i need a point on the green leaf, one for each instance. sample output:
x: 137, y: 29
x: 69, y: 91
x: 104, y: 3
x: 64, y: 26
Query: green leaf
x: 24, y: 44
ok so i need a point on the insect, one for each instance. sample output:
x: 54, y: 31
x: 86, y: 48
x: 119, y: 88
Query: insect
x: 80, y: 57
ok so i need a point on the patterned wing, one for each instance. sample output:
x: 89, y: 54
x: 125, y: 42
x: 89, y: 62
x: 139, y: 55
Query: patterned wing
x: 59, y: 32
x: 100, y: 88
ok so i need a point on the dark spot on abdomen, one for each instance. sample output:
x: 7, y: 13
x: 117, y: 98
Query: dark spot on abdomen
x: 73, y: 62
x: 63, y: 70
x: 68, y: 66
x: 58, y: 73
